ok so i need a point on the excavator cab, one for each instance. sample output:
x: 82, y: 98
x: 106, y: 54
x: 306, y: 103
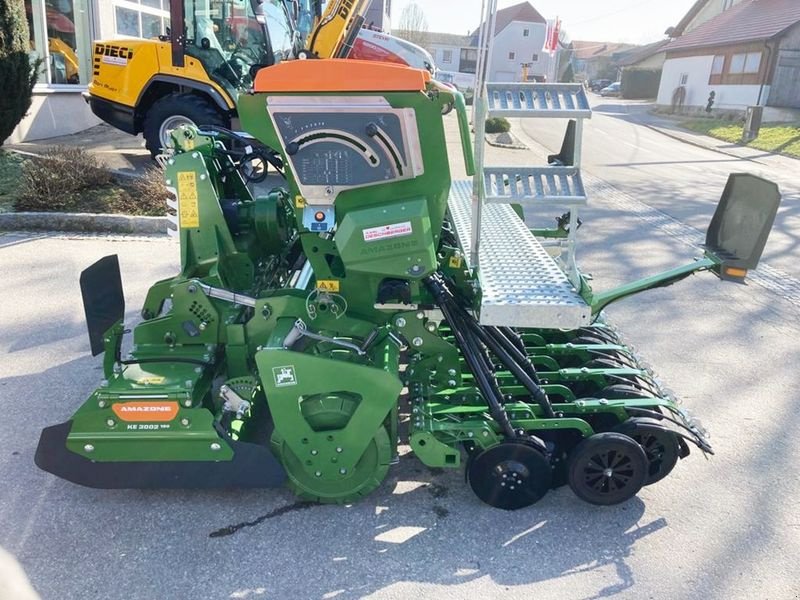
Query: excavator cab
x: 232, y: 39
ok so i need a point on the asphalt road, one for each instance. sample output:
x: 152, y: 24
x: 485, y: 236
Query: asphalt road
x: 724, y: 528
x: 678, y: 179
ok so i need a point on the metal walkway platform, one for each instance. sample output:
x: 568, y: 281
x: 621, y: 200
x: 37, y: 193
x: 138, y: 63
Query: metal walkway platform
x: 561, y: 186
x: 554, y: 100
x: 521, y: 284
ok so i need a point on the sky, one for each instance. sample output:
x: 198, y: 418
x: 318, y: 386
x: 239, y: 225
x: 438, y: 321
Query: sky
x: 631, y: 21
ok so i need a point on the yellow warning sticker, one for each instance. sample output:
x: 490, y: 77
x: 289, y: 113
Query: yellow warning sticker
x: 188, y: 211
x: 328, y: 285
x: 151, y: 380
x: 299, y: 202
x: 455, y: 262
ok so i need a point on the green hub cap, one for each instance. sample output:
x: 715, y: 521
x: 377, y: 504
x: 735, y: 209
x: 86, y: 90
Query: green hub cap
x: 329, y: 484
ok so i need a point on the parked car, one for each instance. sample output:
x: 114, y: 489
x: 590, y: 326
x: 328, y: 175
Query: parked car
x: 615, y: 89
x: 598, y: 84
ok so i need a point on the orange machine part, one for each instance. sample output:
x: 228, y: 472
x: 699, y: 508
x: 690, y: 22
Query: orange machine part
x: 339, y: 75
x: 139, y: 412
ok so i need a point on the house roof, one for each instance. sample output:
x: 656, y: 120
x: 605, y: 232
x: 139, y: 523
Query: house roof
x: 523, y: 11
x: 746, y: 22
x: 446, y: 39
x: 677, y: 31
x: 635, y: 55
x: 587, y: 50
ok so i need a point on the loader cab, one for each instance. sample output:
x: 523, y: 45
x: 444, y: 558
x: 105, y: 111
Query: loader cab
x: 232, y: 39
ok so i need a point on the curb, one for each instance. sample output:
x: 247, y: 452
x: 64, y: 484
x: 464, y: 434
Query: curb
x: 508, y: 146
x: 491, y: 140
x: 44, y: 221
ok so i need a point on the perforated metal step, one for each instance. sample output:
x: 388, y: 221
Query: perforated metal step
x: 521, y: 284
x: 557, y: 185
x: 556, y: 100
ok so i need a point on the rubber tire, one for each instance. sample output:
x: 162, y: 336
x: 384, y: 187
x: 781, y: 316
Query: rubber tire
x: 447, y: 108
x: 193, y: 107
x: 584, y: 451
x: 643, y: 430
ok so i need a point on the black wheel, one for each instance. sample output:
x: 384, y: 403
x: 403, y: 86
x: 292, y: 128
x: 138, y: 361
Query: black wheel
x: 447, y: 108
x: 510, y: 475
x: 607, y: 468
x: 660, y: 445
x: 175, y: 110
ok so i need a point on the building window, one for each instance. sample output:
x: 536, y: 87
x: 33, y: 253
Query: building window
x: 512, y: 55
x: 58, y: 35
x: 469, y: 60
x: 535, y: 57
x: 745, y: 63
x: 684, y: 79
x: 741, y: 68
x: 144, y: 19
x: 526, y: 32
x: 717, y: 67
x: 447, y: 56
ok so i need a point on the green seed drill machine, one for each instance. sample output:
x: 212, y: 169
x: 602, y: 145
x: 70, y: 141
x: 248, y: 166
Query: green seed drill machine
x: 370, y: 297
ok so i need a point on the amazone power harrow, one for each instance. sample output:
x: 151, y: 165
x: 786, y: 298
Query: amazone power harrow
x: 306, y: 324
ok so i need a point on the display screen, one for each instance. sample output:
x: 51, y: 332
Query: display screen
x: 344, y: 149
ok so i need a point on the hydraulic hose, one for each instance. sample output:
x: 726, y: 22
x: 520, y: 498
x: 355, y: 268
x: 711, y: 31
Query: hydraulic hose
x: 505, y: 351
x: 495, y: 339
x: 516, y: 339
x: 478, y: 363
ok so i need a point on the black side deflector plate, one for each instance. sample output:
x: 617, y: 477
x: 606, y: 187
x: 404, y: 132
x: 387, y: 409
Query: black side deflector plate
x: 566, y: 157
x: 741, y: 224
x: 103, y: 299
x: 253, y: 466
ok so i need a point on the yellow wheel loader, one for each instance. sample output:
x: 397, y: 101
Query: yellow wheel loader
x: 194, y: 73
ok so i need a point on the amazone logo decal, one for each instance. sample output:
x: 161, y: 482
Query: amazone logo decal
x: 146, y: 411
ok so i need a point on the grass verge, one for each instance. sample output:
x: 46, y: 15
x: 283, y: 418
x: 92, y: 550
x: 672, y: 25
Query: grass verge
x: 779, y: 137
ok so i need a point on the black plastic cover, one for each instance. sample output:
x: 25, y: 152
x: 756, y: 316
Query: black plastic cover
x: 103, y: 299
x: 741, y: 224
x: 566, y: 157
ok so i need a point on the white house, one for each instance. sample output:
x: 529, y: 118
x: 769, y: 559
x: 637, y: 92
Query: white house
x: 519, y: 36
x: 454, y: 53
x: 747, y: 55
x: 517, y: 46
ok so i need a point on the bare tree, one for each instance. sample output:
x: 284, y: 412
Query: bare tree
x: 413, y: 24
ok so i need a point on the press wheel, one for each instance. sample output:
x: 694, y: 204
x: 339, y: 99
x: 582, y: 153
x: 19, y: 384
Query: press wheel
x: 332, y: 413
x: 659, y: 444
x: 607, y: 468
x: 510, y: 475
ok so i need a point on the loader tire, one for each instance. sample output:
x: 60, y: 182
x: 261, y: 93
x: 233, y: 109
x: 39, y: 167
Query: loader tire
x: 174, y: 110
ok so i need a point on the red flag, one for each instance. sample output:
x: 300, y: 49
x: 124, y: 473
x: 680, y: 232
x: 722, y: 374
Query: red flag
x: 551, y: 36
